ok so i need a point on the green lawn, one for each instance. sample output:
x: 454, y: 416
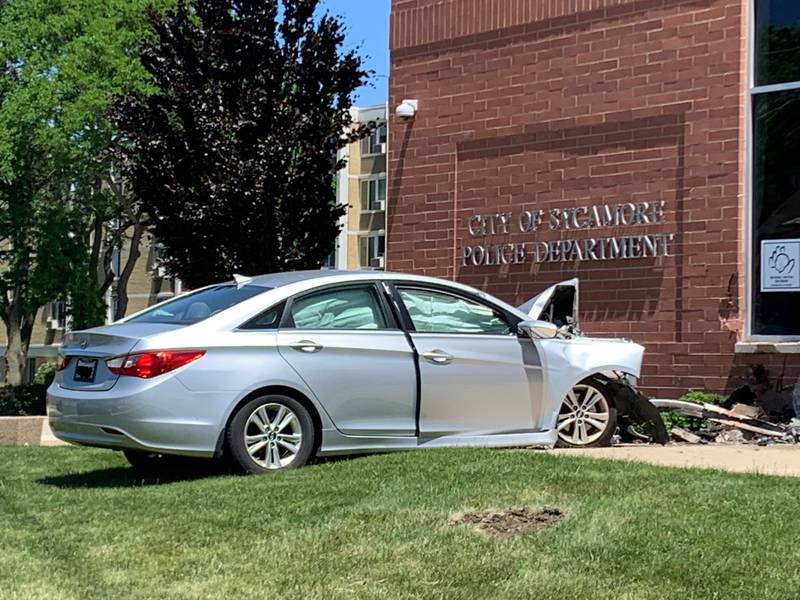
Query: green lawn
x: 76, y: 523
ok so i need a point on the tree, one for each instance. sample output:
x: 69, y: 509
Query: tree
x: 63, y: 62
x: 234, y: 155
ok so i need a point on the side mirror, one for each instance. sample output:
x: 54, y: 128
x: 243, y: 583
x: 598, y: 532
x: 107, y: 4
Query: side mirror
x: 538, y: 330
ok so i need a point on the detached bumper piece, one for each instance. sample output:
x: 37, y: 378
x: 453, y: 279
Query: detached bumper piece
x: 638, y: 418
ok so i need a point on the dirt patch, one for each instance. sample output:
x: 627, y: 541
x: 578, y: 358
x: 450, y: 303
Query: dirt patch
x: 512, y: 521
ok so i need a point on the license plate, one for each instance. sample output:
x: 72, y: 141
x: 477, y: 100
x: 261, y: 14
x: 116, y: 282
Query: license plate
x: 84, y: 370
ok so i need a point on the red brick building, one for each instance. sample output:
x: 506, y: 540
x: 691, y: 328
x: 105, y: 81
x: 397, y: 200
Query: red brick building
x: 649, y: 147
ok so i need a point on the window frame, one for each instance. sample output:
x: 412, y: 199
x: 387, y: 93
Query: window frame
x: 408, y: 323
x: 751, y: 91
x: 366, y: 237
x: 369, y: 150
x: 370, y: 180
x: 287, y: 322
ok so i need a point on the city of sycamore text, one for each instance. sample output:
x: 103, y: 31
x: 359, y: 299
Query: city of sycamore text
x: 581, y: 218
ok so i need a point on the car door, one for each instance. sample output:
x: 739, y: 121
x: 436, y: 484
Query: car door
x: 476, y: 375
x: 344, y: 343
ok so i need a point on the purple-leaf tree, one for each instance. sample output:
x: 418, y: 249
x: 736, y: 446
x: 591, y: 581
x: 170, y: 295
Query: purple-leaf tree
x: 234, y: 150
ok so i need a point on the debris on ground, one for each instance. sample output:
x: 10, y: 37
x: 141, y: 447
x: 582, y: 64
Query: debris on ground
x: 740, y: 423
x: 510, y: 522
x: 682, y: 435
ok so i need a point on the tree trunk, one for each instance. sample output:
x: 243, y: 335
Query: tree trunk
x: 124, y: 277
x: 18, y: 333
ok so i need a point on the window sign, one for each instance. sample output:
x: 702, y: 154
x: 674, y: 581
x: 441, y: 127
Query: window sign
x: 780, y: 265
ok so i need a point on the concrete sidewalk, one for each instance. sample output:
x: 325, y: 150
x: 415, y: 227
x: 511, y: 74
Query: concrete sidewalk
x: 32, y: 431
x: 770, y: 460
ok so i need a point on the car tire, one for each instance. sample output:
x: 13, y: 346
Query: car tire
x: 587, y: 417
x: 270, y: 433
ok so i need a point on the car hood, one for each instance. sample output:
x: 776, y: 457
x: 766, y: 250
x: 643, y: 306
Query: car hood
x: 557, y: 304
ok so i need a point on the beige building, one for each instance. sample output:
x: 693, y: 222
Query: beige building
x: 362, y: 188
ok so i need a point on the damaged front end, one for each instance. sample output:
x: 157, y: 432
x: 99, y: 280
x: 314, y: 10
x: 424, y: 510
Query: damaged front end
x: 572, y: 359
x: 637, y: 417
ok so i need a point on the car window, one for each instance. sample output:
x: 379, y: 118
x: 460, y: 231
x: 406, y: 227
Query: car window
x: 269, y: 319
x: 340, y: 308
x: 439, y: 312
x: 200, y: 305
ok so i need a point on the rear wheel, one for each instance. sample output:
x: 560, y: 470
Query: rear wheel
x: 587, y: 417
x: 270, y: 433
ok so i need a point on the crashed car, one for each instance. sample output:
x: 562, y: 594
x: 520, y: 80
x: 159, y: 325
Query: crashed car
x: 276, y: 369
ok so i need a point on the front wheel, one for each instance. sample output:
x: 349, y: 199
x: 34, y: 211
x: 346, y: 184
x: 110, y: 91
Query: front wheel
x: 271, y: 433
x: 587, y: 417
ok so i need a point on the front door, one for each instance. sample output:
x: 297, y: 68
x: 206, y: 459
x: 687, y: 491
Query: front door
x: 345, y: 345
x: 477, y: 377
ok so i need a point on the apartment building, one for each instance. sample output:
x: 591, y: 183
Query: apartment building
x: 361, y: 186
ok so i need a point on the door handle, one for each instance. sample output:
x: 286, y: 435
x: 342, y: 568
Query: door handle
x: 306, y: 346
x: 438, y: 357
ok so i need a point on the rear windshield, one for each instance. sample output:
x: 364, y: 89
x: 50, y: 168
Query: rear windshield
x: 200, y: 305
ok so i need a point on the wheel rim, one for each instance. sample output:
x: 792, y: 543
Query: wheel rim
x: 272, y: 436
x: 583, y: 416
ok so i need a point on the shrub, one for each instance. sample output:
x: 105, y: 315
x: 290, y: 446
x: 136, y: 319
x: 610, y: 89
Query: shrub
x: 23, y: 400
x: 672, y: 419
x: 45, y: 374
x: 703, y: 397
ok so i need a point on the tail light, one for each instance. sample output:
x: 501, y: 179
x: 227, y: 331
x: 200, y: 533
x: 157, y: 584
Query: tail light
x: 146, y: 365
x: 62, y: 362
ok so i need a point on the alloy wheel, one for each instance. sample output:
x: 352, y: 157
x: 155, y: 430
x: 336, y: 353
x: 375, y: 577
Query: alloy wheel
x: 272, y: 436
x: 584, y: 416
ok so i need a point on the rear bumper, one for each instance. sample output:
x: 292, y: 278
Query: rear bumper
x: 159, y: 415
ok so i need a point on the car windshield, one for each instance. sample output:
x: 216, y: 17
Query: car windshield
x: 200, y: 305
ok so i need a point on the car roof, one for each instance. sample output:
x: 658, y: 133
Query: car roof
x: 277, y: 280
x: 307, y: 280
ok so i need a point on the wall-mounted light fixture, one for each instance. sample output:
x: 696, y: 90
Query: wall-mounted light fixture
x: 406, y: 110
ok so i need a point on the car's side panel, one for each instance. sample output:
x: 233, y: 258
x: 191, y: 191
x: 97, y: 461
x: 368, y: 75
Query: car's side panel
x: 366, y: 380
x: 243, y: 362
x: 489, y: 386
x: 334, y: 442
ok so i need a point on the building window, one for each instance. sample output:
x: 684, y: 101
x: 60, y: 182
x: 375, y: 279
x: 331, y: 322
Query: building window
x: 330, y: 261
x: 57, y: 314
x: 371, y: 250
x: 775, y: 177
x: 373, y: 194
x: 375, y: 142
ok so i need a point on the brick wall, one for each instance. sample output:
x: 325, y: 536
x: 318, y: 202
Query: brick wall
x: 525, y: 104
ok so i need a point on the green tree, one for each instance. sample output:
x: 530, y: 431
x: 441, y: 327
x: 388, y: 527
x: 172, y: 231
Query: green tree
x: 62, y: 212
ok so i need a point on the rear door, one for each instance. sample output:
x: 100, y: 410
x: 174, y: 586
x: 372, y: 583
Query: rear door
x: 476, y: 376
x: 345, y: 344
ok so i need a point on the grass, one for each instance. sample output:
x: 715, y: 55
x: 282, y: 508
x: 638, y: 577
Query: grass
x: 77, y: 523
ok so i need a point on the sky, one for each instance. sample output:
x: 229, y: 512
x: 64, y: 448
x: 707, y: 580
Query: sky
x: 367, y: 24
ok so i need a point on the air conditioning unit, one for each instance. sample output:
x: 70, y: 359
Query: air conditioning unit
x: 382, y: 148
x: 380, y: 205
x: 54, y: 324
x: 377, y: 262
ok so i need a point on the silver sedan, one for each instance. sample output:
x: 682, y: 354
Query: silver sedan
x: 274, y: 370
